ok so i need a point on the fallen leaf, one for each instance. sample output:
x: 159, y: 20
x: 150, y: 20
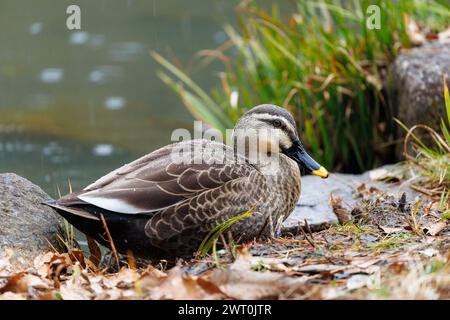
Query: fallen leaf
x: 41, y: 263
x: 435, y: 228
x: 254, y: 285
x: 67, y: 292
x: 389, y: 230
x: 24, y: 282
x: 341, y: 213
x: 397, y: 267
x: 317, y: 268
x: 383, y: 174
x: 94, y: 249
x: 412, y: 30
x: 12, y: 296
x: 14, y: 284
x: 58, y: 264
x: 180, y: 286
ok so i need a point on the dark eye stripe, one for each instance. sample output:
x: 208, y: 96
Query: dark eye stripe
x: 288, y: 131
x: 276, y: 123
x: 280, y: 125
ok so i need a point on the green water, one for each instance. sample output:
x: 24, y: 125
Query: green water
x: 76, y: 104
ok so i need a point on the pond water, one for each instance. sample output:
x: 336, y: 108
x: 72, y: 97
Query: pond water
x: 76, y: 104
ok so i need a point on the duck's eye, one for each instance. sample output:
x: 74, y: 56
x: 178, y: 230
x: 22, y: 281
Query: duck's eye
x: 276, y: 123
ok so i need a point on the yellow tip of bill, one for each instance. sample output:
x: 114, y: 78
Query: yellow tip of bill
x: 321, y: 172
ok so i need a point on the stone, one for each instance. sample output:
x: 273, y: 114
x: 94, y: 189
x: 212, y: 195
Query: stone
x: 26, y: 226
x: 314, y: 200
x: 416, y: 87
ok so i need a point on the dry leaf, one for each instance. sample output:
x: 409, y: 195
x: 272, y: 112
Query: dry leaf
x: 248, y: 284
x: 389, y: 230
x: 180, y: 286
x: 12, y: 296
x: 94, y: 249
x: 67, y: 292
x: 412, y: 29
x: 24, y: 282
x: 341, y: 213
x: 383, y: 174
x: 41, y: 263
x: 397, y: 267
x: 435, y: 228
x: 240, y: 282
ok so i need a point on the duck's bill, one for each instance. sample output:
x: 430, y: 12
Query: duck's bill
x: 298, y: 153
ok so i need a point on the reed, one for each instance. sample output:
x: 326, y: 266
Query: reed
x: 320, y: 62
x: 432, y: 160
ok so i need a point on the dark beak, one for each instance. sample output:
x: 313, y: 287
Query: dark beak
x: 297, y: 153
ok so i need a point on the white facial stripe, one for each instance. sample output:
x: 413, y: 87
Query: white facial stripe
x: 270, y: 117
x: 285, y: 140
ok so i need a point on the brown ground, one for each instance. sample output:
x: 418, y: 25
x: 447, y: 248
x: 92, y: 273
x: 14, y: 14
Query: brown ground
x: 386, y: 248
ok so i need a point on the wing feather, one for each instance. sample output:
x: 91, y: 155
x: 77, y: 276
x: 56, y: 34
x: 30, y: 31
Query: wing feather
x: 204, y: 211
x: 156, y: 182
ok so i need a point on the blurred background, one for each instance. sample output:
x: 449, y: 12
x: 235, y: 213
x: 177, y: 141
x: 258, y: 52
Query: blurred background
x: 77, y: 104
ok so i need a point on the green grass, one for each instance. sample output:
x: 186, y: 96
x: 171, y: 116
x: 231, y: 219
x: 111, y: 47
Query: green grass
x: 320, y: 62
x: 351, y: 228
x: 432, y: 160
x: 209, y: 242
x: 391, y: 241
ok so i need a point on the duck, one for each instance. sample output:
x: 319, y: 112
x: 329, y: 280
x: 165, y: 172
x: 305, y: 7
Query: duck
x: 165, y: 203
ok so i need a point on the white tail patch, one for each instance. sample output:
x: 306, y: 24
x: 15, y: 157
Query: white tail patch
x: 111, y: 204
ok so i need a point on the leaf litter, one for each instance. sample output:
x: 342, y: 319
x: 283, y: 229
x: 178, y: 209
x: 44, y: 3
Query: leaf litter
x: 383, y: 247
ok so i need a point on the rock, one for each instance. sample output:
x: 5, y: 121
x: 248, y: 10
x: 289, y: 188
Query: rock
x: 415, y: 86
x: 314, y: 200
x: 26, y: 226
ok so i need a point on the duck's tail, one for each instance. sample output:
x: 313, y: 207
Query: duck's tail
x: 77, y: 215
x: 74, y: 211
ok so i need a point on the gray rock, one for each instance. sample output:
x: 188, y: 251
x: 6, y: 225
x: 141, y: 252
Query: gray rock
x: 314, y: 200
x: 415, y: 86
x: 26, y: 226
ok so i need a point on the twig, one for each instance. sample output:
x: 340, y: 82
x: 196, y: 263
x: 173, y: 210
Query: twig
x: 311, y: 242
x: 64, y: 242
x: 422, y: 190
x: 51, y: 245
x: 309, y: 229
x: 111, y: 242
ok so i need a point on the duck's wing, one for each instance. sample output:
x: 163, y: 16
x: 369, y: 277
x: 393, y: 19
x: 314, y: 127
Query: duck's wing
x: 187, y: 222
x: 165, y: 178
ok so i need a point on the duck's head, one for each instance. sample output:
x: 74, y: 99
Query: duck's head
x: 276, y: 128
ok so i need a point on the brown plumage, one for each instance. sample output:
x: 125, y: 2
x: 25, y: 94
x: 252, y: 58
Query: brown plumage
x: 159, y: 207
